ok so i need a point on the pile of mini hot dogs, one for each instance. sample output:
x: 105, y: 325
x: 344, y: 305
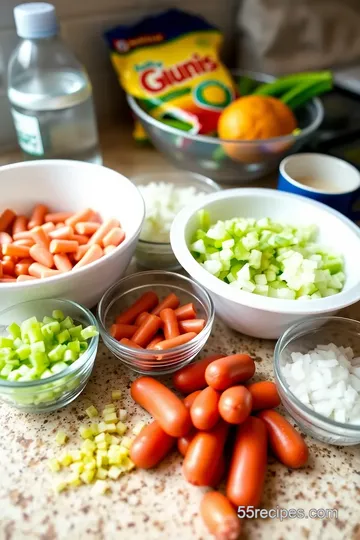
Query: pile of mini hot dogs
x: 219, y: 416
x: 159, y: 325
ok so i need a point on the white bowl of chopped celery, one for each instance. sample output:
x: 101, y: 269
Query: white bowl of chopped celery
x: 47, y: 353
x: 268, y: 258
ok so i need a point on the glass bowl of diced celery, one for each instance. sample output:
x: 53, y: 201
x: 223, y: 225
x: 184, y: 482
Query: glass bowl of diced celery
x: 47, y: 352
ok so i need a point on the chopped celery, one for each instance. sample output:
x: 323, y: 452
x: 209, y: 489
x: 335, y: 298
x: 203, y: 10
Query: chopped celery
x: 89, y: 332
x: 267, y: 258
x: 58, y: 315
x: 116, y: 394
x: 92, y: 411
x: 61, y: 437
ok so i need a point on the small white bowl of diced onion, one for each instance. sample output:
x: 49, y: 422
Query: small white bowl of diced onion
x: 317, y: 373
x: 165, y: 194
x: 47, y: 352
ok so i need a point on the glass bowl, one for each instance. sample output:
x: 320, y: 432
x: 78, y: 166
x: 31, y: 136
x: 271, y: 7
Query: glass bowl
x: 229, y: 162
x: 305, y: 336
x: 124, y: 293
x: 52, y: 393
x: 159, y: 255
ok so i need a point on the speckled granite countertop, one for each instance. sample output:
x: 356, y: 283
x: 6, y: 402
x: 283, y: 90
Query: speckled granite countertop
x: 158, y: 504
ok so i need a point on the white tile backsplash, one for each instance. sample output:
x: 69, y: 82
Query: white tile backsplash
x: 82, y: 26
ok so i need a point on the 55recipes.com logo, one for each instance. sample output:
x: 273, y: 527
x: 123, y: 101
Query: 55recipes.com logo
x: 286, y: 513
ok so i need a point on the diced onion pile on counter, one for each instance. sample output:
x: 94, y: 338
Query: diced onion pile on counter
x: 267, y: 258
x: 327, y: 380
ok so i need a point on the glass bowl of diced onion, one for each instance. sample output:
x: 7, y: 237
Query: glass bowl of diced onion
x: 317, y: 373
x: 165, y: 194
x: 47, y: 353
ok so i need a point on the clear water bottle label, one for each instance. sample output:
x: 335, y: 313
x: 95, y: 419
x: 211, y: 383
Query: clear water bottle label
x: 28, y: 133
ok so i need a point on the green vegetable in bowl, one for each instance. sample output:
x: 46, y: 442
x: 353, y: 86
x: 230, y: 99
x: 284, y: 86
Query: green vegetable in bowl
x: 268, y: 258
x: 40, y: 349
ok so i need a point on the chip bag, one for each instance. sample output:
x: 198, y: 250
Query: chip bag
x: 170, y: 63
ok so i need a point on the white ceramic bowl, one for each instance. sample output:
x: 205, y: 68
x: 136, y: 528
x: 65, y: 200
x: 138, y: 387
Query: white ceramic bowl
x: 71, y: 186
x: 253, y: 314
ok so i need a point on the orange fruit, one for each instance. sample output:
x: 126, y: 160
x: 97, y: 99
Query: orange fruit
x: 253, y: 118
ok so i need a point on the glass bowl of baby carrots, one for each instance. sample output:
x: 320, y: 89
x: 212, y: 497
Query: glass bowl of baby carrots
x: 155, y: 322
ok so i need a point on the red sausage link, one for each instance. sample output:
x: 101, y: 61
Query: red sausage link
x: 171, y: 301
x: 184, y: 442
x: 202, y: 458
x: 264, y: 395
x: 248, y: 464
x: 147, y: 330
x: 235, y: 404
x: 219, y: 516
x: 192, y: 325
x: 204, y: 411
x: 150, y: 446
x: 145, y: 303
x: 171, y: 327
x: 192, y: 377
x: 119, y: 331
x: 163, y: 405
x: 185, y: 312
x: 286, y: 443
x: 229, y: 371
x: 189, y: 400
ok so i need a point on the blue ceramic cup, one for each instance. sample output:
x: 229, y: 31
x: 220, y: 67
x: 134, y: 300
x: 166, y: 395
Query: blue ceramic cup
x: 324, y: 178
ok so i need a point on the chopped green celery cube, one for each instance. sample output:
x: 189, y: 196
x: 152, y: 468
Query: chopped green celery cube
x: 203, y: 219
x: 262, y: 289
x: 89, y: 332
x: 95, y: 429
x: 92, y: 411
x: 70, y: 356
x: 54, y: 465
x: 63, y: 336
x: 67, y: 323
x: 74, y: 346
x: 14, y: 375
x: 85, y: 432
x: 2, y: 363
x: 47, y: 319
x: 87, y: 476
x: 88, y: 446
x: 255, y: 258
x: 39, y: 346
x: 57, y: 353
x: 101, y: 473
x: 14, y: 362
x: 35, y: 335
x: 61, y: 438
x: 6, y: 353
x: 23, y: 352
x: 28, y: 323
x: 83, y: 346
x: 114, y: 472
x: 75, y: 331
x: 260, y: 279
x: 47, y: 373
x: 58, y: 367
x: 14, y: 329
x: 6, y: 342
x: 24, y: 370
x: 6, y: 370
x: 240, y: 252
x: 270, y: 275
x: 18, y: 343
x: 50, y: 328
x: 116, y: 394
x: 58, y: 315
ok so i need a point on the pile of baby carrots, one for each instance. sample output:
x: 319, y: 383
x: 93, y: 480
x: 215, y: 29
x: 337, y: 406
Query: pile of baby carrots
x: 220, y: 416
x: 47, y: 244
x: 159, y: 325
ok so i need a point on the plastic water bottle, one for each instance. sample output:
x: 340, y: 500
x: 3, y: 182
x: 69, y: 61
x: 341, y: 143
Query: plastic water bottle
x: 49, y: 91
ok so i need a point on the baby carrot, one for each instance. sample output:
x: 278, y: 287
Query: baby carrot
x: 23, y: 277
x: 192, y: 325
x: 41, y: 255
x: 80, y: 252
x: 20, y: 224
x: 86, y: 227
x: 63, y: 246
x: 93, y: 254
x: 146, y: 302
x: 58, y: 217
x: 38, y: 216
x: 62, y: 262
x: 5, y: 238
x: 39, y: 271
x: 25, y: 242
x: 40, y: 237
x: 62, y: 233
x: 22, y: 235
x: 171, y: 301
x: 102, y: 231
x: 15, y: 251
x: 147, y: 330
x: 175, y: 342
x: 81, y: 239
x: 83, y: 215
x: 129, y: 343
x: 109, y: 249
x: 48, y: 227
x: 158, y: 337
x: 114, y: 237
x: 119, y: 331
x: 185, y: 312
x: 22, y: 269
x: 141, y: 318
x: 6, y: 218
